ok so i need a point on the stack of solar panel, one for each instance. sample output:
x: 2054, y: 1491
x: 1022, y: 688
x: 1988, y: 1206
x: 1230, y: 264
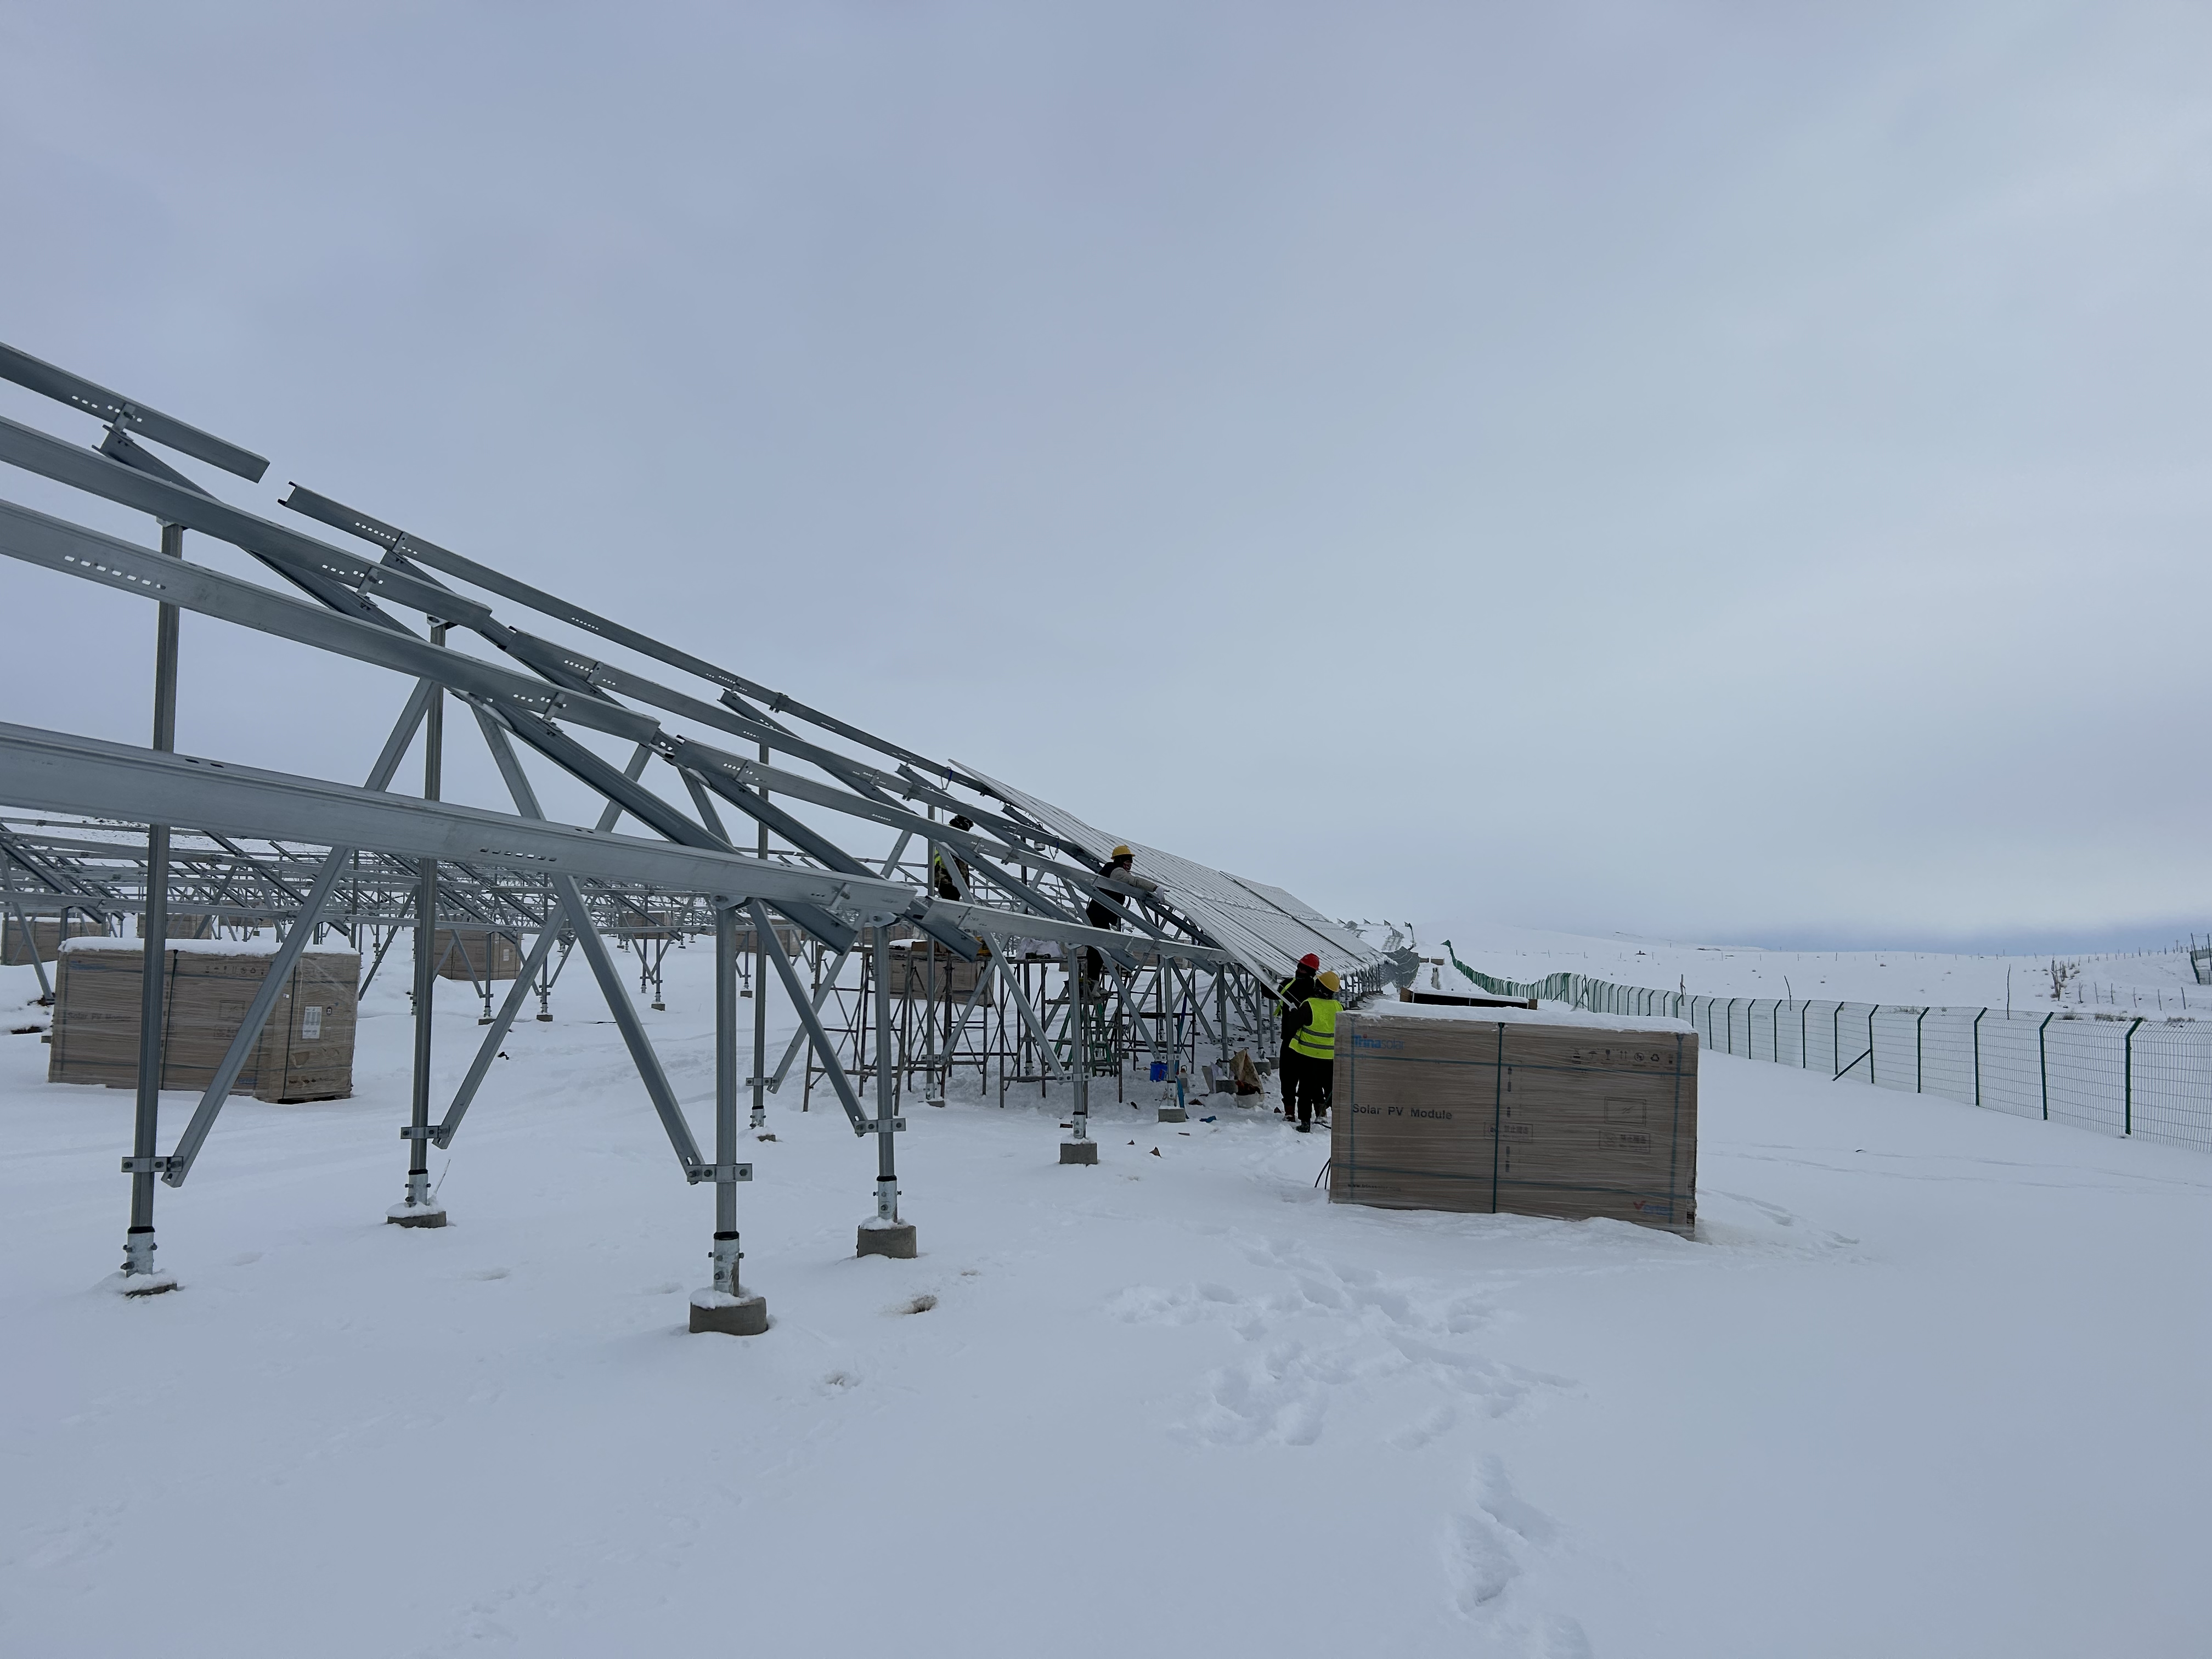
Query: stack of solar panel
x: 306, y: 1047
x: 46, y: 934
x: 476, y: 954
x: 1465, y: 1113
x: 930, y: 972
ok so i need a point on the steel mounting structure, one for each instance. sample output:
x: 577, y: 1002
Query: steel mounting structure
x: 152, y: 832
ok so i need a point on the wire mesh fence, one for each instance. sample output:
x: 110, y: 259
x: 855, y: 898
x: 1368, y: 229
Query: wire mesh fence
x: 2123, y: 1074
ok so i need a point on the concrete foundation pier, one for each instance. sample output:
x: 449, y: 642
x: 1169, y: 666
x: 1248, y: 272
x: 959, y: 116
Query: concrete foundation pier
x: 416, y: 1215
x: 891, y: 1238
x: 1174, y: 1114
x: 1078, y: 1151
x: 742, y: 1314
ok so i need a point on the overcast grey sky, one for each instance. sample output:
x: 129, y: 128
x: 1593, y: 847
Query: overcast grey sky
x: 1722, y: 470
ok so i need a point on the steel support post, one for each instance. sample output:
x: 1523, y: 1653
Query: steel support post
x: 1221, y: 1013
x: 2043, y: 1064
x: 724, y: 1306
x: 139, y: 1274
x: 416, y: 1210
x: 760, y: 993
x: 886, y: 1234
x: 1078, y: 1148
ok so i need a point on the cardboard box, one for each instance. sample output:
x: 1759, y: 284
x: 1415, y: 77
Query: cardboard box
x: 45, y: 934
x: 476, y: 954
x: 1457, y: 1112
x: 180, y: 924
x: 912, y: 971
x: 306, y: 1049
x: 790, y: 938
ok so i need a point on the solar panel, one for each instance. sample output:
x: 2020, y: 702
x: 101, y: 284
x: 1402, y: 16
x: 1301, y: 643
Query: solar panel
x: 1267, y: 929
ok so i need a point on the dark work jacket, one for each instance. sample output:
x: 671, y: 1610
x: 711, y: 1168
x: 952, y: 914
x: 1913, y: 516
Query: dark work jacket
x: 1096, y: 913
x: 1297, y: 989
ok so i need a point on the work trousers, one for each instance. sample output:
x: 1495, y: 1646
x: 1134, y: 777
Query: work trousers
x: 1306, y: 1084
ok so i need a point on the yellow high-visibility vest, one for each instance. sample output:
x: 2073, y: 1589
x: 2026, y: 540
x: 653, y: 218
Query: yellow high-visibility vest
x: 1318, y: 1039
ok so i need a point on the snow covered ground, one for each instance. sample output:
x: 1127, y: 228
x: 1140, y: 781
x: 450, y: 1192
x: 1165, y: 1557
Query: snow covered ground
x: 2151, y: 982
x: 1930, y: 1382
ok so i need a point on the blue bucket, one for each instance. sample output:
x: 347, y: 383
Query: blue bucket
x: 1159, y: 1071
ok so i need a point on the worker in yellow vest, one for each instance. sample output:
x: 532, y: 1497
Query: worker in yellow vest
x: 1313, y: 1050
x: 941, y: 877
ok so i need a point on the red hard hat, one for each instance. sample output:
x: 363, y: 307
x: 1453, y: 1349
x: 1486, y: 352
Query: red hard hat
x: 1309, y: 960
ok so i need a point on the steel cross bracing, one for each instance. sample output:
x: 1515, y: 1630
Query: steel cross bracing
x: 254, y: 849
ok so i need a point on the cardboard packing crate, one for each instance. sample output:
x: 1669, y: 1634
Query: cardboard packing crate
x: 912, y: 968
x: 1520, y: 1116
x: 306, y: 1050
x: 45, y: 934
x: 180, y: 924
x: 789, y: 938
x: 476, y: 954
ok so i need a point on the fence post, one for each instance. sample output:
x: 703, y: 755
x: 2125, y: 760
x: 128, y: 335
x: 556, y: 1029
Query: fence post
x: 1871, y: 1012
x: 2128, y: 1083
x: 2043, y: 1063
x: 1731, y: 1025
x: 1803, y: 1009
x: 1977, y: 1056
x: 1916, y: 1050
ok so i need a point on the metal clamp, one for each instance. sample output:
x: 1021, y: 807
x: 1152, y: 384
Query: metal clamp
x: 696, y: 1173
x: 409, y: 1131
x: 145, y: 1166
x: 876, y: 1126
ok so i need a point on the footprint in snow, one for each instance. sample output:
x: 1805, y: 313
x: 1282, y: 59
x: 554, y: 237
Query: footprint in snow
x: 1486, y: 1553
x: 1414, y: 1436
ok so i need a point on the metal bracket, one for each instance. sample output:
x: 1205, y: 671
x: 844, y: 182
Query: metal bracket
x: 409, y: 1131
x: 145, y: 1166
x: 876, y: 1126
x: 696, y: 1173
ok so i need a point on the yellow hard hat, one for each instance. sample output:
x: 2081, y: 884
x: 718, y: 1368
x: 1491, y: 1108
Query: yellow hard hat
x: 1330, y: 983
x: 1123, y: 852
